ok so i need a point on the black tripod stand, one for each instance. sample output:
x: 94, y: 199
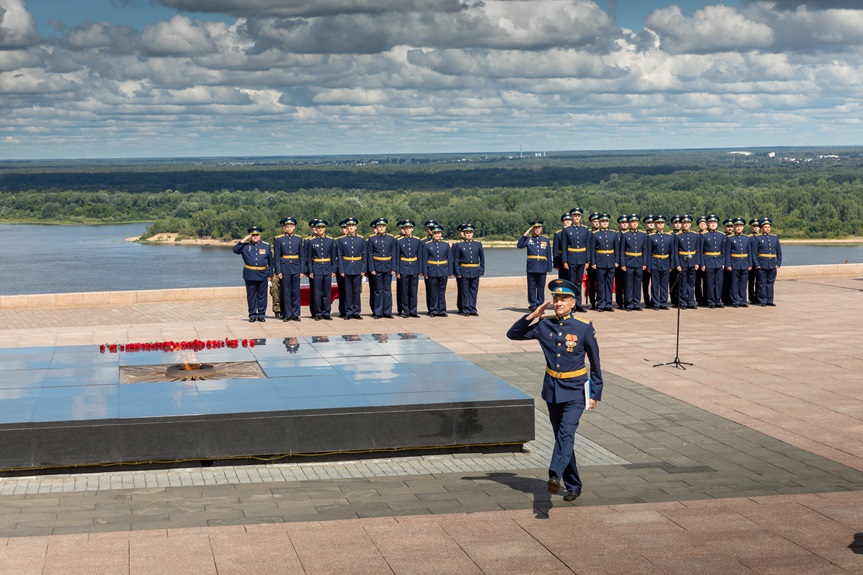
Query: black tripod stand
x: 676, y: 362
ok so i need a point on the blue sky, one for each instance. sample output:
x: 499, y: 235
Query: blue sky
x: 150, y: 78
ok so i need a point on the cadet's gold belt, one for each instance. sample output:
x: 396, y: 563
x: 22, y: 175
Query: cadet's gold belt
x: 661, y: 256
x: 766, y: 255
x: 713, y: 254
x: 383, y: 258
x: 353, y: 258
x: 576, y: 249
x: 256, y: 268
x: 320, y: 260
x: 686, y: 253
x: 296, y: 257
x: 605, y: 252
x: 469, y: 265
x: 633, y: 254
x: 537, y: 257
x: 565, y: 374
x: 740, y: 255
x: 437, y: 262
x: 408, y: 259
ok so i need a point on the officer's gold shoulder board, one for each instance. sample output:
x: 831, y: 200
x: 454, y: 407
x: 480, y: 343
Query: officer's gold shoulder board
x: 581, y: 319
x: 281, y: 236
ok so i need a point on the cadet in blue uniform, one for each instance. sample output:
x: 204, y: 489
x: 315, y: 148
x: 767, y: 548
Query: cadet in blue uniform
x: 754, y: 232
x: 649, y: 230
x: 674, y: 275
x: 381, y: 253
x: 604, y: 261
x: 686, y: 259
x: 340, y: 280
x: 257, y: 270
x: 539, y: 262
x: 459, y: 292
x: 566, y: 341
x: 468, y: 266
x: 557, y: 246
x: 768, y: 260
x: 700, y: 299
x: 619, y: 274
x: 428, y: 225
x: 712, y: 252
x: 633, y: 244
x: 408, y: 267
x: 726, y: 271
x: 290, y: 263
x: 436, y: 265
x: 738, y: 262
x: 352, y: 264
x: 576, y: 250
x: 321, y: 264
x: 659, y: 245
x: 591, y: 269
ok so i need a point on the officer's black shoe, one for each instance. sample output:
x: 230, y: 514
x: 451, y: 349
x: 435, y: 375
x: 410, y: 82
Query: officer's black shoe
x: 442, y: 314
x: 328, y: 318
x: 711, y: 306
x: 318, y: 318
x: 553, y: 484
x: 404, y: 315
x: 763, y: 305
x: 464, y: 313
x: 744, y: 305
x: 772, y: 304
x: 252, y: 320
x: 414, y: 315
x: 262, y: 319
x: 720, y: 305
x: 474, y: 314
x: 358, y: 316
x: 571, y: 494
x: 580, y: 309
x: 376, y: 316
x: 388, y: 315
x: 286, y: 318
x: 296, y: 318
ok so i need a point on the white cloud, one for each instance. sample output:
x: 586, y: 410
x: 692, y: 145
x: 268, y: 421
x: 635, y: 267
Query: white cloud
x: 179, y: 37
x: 306, y: 9
x: 17, y: 29
x: 710, y: 29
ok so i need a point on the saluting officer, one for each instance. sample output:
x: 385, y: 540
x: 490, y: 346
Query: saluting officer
x: 352, y: 264
x: 685, y: 257
x: 712, y: 252
x: 619, y: 274
x: 381, y: 248
x: 593, y: 218
x: 539, y: 262
x: 576, y: 249
x: 408, y: 267
x: 436, y: 265
x: 659, y: 245
x: 290, y: 263
x: 633, y: 244
x: 738, y: 262
x: 754, y: 232
x: 321, y: 264
x: 604, y: 261
x: 768, y: 260
x: 468, y: 266
x: 257, y: 270
x: 649, y: 229
x: 557, y: 247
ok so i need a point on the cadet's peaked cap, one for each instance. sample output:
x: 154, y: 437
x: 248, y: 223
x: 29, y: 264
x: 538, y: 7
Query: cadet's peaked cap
x: 351, y: 221
x: 467, y: 227
x: 460, y: 227
x: 634, y: 217
x: 406, y: 224
x: 288, y: 220
x: 255, y: 230
x: 566, y: 216
x: 713, y: 218
x: 765, y: 221
x: 320, y: 223
x: 429, y: 223
x: 343, y: 223
x: 379, y: 221
x: 593, y: 216
x: 649, y: 219
x: 578, y: 211
x: 754, y: 222
x: 604, y: 217
x: 562, y: 287
x: 621, y: 219
x: 436, y: 228
x: 738, y: 222
x: 702, y: 219
x: 728, y: 222
x: 312, y: 222
x: 675, y: 219
x: 685, y: 218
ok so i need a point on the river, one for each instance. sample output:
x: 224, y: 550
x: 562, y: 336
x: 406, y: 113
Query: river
x: 61, y: 259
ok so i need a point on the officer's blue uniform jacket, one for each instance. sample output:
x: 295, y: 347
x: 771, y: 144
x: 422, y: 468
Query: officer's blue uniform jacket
x: 686, y: 245
x: 565, y: 342
x: 712, y: 249
x: 539, y: 256
x: 289, y: 255
x: 577, y: 245
x: 768, y: 252
x: 257, y: 260
x: 380, y: 253
x: 468, y: 259
x: 633, y: 245
x: 352, y: 255
x: 321, y: 255
x: 658, y: 256
x: 604, y: 253
x: 738, y: 252
x: 557, y: 248
x: 408, y: 255
x: 436, y: 259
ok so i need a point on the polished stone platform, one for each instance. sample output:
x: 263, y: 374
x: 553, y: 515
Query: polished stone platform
x: 67, y: 406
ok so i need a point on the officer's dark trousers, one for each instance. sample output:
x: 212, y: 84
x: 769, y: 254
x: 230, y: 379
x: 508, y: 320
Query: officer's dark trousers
x: 290, y: 293
x: 633, y: 286
x: 400, y: 307
x: 535, y: 289
x: 468, y: 288
x: 739, y: 280
x: 340, y: 283
x: 646, y: 278
x: 753, y: 286
x: 427, y: 283
x: 604, y: 285
x: 353, y: 293
x: 382, y: 288
x: 321, y: 284
x: 459, y: 304
x: 620, y: 287
x: 407, y: 289
x: 591, y: 286
x: 687, y: 287
x: 437, y: 295
x: 766, y: 279
x: 700, y: 297
x: 576, y: 276
x: 659, y: 288
x: 564, y: 421
x: 673, y: 285
x: 256, y: 297
x: 713, y: 286
x: 726, y: 287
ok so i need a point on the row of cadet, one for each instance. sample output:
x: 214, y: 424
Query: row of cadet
x: 349, y: 258
x: 684, y: 266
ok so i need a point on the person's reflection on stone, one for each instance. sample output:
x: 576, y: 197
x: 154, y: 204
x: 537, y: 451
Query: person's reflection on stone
x: 381, y: 337
x: 351, y: 337
x: 408, y: 335
x: 292, y: 344
x: 320, y: 339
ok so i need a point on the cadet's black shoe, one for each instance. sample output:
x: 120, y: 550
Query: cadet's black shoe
x: 580, y: 309
x: 763, y: 305
x: 252, y: 320
x: 553, y: 484
x: 414, y: 315
x: 772, y: 304
x: 295, y: 318
x: 744, y: 305
x: 376, y: 316
x: 286, y: 318
x: 388, y: 315
x: 571, y: 494
x: 318, y: 318
x: 328, y: 318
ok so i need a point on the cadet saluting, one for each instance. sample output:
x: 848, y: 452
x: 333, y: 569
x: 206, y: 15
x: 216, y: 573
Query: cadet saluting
x: 539, y: 262
x: 257, y: 270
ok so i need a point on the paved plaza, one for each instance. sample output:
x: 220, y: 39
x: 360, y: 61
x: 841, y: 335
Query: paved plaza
x: 749, y: 461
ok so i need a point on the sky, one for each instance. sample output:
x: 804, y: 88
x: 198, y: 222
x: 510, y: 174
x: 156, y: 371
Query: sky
x: 193, y: 78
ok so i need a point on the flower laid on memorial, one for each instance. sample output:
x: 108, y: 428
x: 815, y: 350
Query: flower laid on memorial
x: 174, y: 346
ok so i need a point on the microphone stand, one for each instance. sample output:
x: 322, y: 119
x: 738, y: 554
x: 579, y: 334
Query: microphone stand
x: 677, y: 363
